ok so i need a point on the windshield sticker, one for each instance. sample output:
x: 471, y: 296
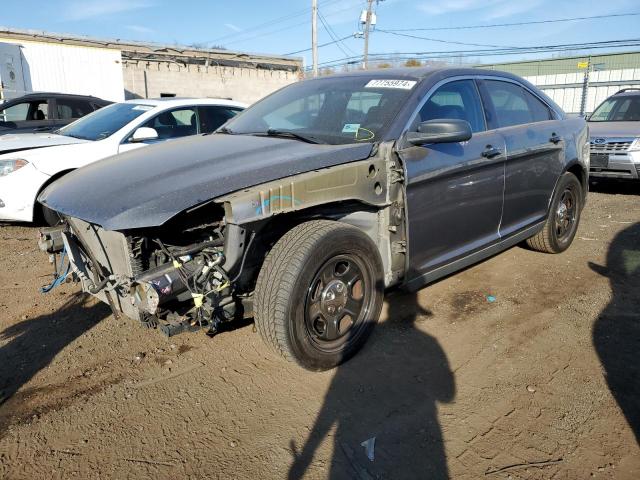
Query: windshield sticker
x: 350, y: 128
x: 144, y: 108
x: 401, y: 84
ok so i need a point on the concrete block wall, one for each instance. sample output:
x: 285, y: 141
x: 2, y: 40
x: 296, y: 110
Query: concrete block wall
x: 241, y: 84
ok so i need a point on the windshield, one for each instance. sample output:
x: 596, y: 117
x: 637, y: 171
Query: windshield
x: 329, y: 110
x: 618, y: 109
x: 104, y: 122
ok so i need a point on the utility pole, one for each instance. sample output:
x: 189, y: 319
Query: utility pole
x: 585, y: 88
x: 367, y: 27
x: 314, y: 36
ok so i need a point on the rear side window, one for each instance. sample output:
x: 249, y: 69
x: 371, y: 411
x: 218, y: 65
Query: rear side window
x: 513, y: 105
x: 34, y: 110
x: 72, y: 108
x: 177, y: 123
x: 455, y: 100
x: 213, y: 117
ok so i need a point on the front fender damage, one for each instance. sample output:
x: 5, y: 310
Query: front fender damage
x: 199, y: 269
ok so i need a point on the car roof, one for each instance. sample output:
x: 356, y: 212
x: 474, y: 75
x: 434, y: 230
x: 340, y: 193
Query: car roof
x: 54, y: 94
x: 630, y: 92
x: 179, y: 102
x: 420, y: 73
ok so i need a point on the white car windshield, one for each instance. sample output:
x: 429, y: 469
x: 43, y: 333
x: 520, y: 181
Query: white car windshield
x: 104, y: 122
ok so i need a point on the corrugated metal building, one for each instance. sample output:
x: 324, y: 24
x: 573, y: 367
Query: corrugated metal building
x: 563, y: 79
x: 115, y: 70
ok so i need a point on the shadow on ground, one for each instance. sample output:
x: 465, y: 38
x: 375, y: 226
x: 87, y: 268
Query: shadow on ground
x: 615, y: 186
x: 616, y: 333
x: 389, y: 391
x: 30, y: 345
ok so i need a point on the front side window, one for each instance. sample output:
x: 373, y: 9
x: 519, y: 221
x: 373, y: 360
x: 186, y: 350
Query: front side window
x: 105, y: 122
x: 620, y: 109
x: 513, y: 105
x: 177, y: 123
x: 457, y: 100
x: 333, y: 110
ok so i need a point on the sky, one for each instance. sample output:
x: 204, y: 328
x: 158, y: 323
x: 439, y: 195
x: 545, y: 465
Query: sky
x: 284, y: 26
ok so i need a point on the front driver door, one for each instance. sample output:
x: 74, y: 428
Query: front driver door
x: 454, y: 190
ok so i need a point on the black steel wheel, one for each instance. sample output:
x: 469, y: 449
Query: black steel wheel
x: 338, y: 302
x: 319, y: 293
x: 564, y: 216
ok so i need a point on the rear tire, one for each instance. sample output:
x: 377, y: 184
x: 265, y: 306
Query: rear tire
x: 319, y: 294
x: 564, y: 216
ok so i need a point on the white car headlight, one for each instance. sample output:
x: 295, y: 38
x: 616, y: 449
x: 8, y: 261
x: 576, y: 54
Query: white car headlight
x: 8, y: 166
x: 635, y: 146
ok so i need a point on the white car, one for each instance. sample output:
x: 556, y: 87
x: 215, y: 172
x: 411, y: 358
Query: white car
x: 118, y: 128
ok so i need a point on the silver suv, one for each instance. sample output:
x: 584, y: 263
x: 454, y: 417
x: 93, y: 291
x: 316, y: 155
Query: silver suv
x: 615, y: 136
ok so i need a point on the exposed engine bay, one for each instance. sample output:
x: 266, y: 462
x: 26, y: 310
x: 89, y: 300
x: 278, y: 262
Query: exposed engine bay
x: 171, y: 278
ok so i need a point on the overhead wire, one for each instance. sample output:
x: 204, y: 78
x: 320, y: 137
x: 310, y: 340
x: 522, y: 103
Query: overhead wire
x: 427, y: 55
x: 514, y: 24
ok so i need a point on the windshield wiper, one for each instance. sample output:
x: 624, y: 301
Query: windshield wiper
x: 273, y: 132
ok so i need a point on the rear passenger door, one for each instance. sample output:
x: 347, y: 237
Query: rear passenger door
x: 454, y: 190
x: 535, y: 152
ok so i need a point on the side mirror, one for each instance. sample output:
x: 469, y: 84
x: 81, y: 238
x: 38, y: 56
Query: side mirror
x: 445, y: 130
x: 144, y: 133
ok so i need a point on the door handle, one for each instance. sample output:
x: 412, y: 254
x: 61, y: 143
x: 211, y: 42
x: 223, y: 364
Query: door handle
x: 555, y: 138
x: 491, y: 152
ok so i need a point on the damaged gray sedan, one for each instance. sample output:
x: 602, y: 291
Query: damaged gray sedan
x: 303, y: 209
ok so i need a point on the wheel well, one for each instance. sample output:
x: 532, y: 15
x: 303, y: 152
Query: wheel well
x: 36, y: 206
x: 580, y: 173
x: 270, y: 231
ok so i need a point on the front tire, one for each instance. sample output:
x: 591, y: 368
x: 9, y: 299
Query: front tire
x: 319, y: 293
x: 564, y: 216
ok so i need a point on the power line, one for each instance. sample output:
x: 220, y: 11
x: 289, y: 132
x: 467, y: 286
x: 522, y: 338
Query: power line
x: 288, y: 27
x: 260, y: 26
x: 634, y: 42
x: 321, y: 45
x: 391, y: 32
x: 333, y: 36
x: 494, y: 25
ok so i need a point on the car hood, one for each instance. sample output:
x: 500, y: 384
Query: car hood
x: 614, y: 129
x: 24, y: 141
x: 145, y: 188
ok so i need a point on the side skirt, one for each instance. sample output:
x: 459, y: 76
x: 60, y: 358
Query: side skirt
x: 462, y: 263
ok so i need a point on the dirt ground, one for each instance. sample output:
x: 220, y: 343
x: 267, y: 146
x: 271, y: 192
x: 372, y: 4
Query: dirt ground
x: 543, y: 382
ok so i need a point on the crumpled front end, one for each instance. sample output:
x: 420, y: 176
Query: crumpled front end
x: 170, y: 277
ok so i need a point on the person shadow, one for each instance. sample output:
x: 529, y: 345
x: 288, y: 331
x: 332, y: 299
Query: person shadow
x: 390, y: 391
x: 30, y: 345
x: 616, y: 332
